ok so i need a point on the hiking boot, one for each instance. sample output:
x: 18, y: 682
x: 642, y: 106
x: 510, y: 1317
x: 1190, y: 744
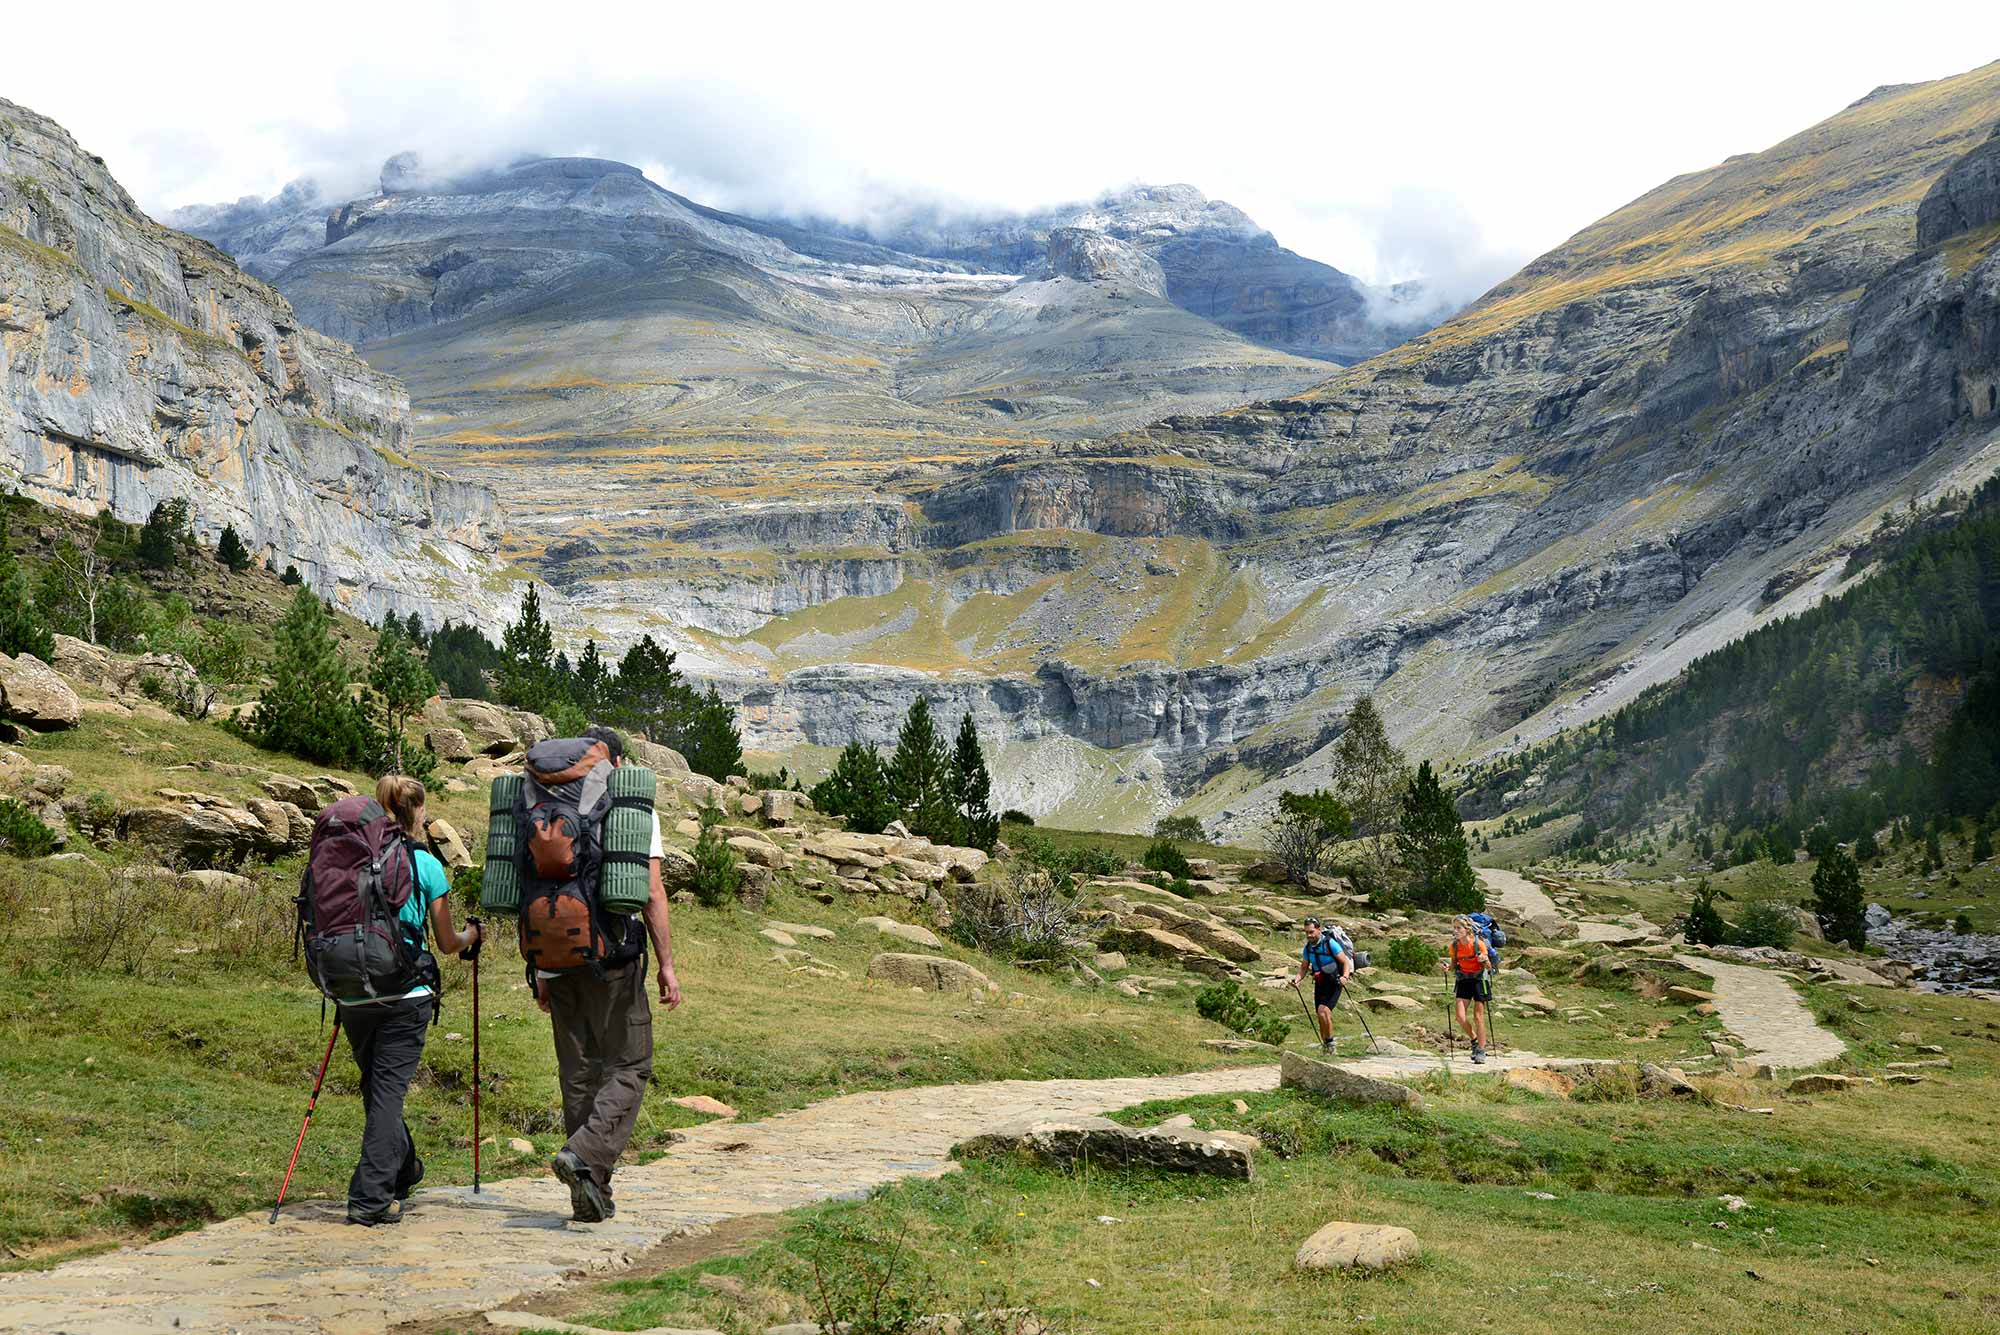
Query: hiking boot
x: 367, y: 1220
x: 1328, y: 1047
x: 408, y: 1182
x: 589, y: 1203
x: 1478, y: 1055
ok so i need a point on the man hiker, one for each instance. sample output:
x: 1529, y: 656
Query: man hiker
x: 604, y: 1034
x: 1329, y: 965
x: 1467, y: 963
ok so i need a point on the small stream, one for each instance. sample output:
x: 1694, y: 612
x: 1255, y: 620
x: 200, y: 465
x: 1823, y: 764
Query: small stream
x: 1945, y: 960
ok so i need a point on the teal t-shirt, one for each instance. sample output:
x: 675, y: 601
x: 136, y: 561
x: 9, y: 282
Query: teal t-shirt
x: 415, y: 916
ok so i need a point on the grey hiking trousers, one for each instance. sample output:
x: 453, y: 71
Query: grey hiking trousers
x: 604, y: 1057
x: 388, y: 1042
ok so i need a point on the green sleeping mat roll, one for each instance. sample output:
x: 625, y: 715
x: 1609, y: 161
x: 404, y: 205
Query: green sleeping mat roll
x: 500, y: 884
x: 628, y: 829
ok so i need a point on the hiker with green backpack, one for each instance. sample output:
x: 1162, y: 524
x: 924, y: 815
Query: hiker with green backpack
x: 573, y: 857
x: 364, y: 900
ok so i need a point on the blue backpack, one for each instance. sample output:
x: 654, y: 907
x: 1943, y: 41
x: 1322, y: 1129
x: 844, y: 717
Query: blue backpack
x: 1489, y: 932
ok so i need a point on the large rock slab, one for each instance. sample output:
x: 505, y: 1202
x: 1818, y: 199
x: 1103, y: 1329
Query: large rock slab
x: 662, y: 760
x: 1344, y: 1086
x: 906, y: 932
x: 1068, y: 1139
x: 1344, y: 1246
x: 932, y: 973
x: 31, y: 692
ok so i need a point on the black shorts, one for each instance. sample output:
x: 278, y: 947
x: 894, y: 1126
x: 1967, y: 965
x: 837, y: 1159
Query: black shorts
x: 1471, y: 987
x: 1326, y: 990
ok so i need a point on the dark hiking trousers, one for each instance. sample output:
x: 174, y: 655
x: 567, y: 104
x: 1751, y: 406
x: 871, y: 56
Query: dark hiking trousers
x: 604, y: 1053
x: 388, y: 1042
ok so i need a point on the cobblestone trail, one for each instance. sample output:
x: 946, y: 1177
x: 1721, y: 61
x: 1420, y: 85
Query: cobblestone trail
x: 456, y: 1252
x: 1761, y: 1008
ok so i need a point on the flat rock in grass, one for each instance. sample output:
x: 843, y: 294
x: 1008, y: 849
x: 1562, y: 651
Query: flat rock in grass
x: 1343, y: 1086
x: 531, y: 1321
x: 1110, y: 961
x: 902, y: 931
x: 1533, y: 1001
x: 1344, y: 1246
x: 1542, y: 1080
x: 1233, y: 1044
x: 1665, y: 1082
x: 702, y: 1103
x: 1389, y: 1001
x: 1907, y: 1078
x: 1689, y: 996
x: 1062, y: 1140
x: 1939, y: 1063
x: 932, y: 973
x: 800, y: 929
x: 1825, y: 1082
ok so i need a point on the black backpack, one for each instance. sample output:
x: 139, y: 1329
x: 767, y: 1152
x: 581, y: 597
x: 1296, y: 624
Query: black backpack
x: 559, y: 833
x: 360, y: 870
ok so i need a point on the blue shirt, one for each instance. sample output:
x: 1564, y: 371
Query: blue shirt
x: 414, y: 916
x: 1323, y: 955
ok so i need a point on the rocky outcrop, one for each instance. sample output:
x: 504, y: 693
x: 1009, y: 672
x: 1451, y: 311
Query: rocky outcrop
x: 32, y: 693
x: 1069, y: 1140
x: 1341, y: 1085
x: 1093, y: 257
x: 929, y: 973
x: 141, y: 364
x: 1965, y: 198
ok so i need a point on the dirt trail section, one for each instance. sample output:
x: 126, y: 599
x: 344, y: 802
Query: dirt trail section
x: 456, y: 1252
x: 1761, y: 1008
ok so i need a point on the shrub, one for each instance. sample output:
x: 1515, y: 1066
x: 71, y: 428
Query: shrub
x: 1186, y: 829
x: 1062, y: 863
x: 22, y: 833
x: 716, y: 875
x: 291, y: 576
x: 1701, y: 924
x: 1015, y: 816
x: 1161, y: 855
x: 1962, y: 925
x: 1307, y: 828
x: 1029, y: 919
x: 1228, y: 1004
x: 1766, y: 922
x: 1412, y: 954
x: 862, y: 1280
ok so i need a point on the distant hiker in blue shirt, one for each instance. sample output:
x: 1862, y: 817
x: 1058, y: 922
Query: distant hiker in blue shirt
x: 1329, y: 965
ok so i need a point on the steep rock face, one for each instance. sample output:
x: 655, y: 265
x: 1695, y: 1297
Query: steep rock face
x: 1078, y: 252
x: 137, y: 363
x: 1965, y: 198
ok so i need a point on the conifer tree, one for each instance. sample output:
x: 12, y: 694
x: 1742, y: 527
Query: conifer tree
x: 23, y: 629
x: 401, y: 685
x: 291, y: 576
x: 1431, y: 842
x: 592, y: 677
x: 716, y: 874
x: 308, y: 711
x: 1369, y: 776
x: 229, y: 550
x: 919, y: 775
x: 528, y: 658
x: 857, y: 790
x: 972, y: 790
x: 713, y: 745
x: 648, y: 695
x: 1837, y: 899
x: 168, y: 531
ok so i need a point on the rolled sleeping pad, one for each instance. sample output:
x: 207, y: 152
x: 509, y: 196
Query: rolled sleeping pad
x: 500, y: 883
x: 628, y: 829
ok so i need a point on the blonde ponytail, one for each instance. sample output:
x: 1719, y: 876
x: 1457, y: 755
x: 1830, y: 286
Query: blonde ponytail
x: 401, y: 796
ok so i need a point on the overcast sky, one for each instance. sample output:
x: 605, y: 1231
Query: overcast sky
x: 1391, y: 140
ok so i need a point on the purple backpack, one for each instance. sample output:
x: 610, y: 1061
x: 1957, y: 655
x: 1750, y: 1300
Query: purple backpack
x: 359, y: 872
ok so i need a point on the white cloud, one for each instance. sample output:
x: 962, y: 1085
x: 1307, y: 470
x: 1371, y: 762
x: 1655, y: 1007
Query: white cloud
x: 1448, y: 140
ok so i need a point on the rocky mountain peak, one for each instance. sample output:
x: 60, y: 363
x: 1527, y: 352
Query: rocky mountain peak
x: 1160, y: 211
x: 1092, y: 256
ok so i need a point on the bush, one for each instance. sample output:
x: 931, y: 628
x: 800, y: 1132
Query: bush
x: 22, y: 833
x: 1015, y: 816
x: 716, y: 876
x: 1062, y: 863
x: 1185, y: 829
x: 1161, y: 855
x: 1307, y: 828
x: 1701, y: 924
x: 862, y: 1280
x: 291, y: 576
x: 1412, y: 954
x: 1028, y: 919
x: 1766, y: 922
x: 1227, y: 1003
x: 1962, y: 925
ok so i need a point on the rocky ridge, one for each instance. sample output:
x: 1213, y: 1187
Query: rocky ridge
x: 138, y: 363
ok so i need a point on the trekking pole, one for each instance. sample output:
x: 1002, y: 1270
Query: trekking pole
x: 1492, y: 1034
x: 1450, y: 1036
x: 311, y: 1103
x: 1311, y: 1023
x: 1362, y: 1016
x: 473, y: 955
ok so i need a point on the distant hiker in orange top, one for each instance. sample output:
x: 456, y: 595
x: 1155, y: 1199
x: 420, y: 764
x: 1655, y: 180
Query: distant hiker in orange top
x: 1467, y: 963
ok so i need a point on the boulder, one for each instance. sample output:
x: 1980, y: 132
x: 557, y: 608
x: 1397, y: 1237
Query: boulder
x: 753, y: 884
x: 761, y: 852
x: 83, y: 662
x: 1664, y: 1082
x: 286, y: 828
x: 1063, y: 1140
x: 903, y: 931
x: 1808, y: 924
x: 1343, y: 1086
x: 964, y: 864
x: 450, y: 745
x: 1689, y: 996
x: 1155, y: 941
x: 1391, y: 1002
x: 931, y: 973
x: 449, y: 845
x: 216, y: 882
x: 1221, y: 940
x: 676, y: 868
x: 1344, y: 1246
x: 1534, y: 1001
x: 662, y: 760
x: 779, y: 806
x: 190, y: 833
x: 299, y: 792
x: 487, y: 727
x: 32, y: 693
x: 1542, y: 1080
x: 1271, y: 872
x: 1824, y: 1082
x: 1110, y: 961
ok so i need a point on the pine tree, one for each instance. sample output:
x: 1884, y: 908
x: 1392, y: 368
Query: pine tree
x: 716, y: 875
x: 1702, y: 925
x: 23, y: 629
x: 167, y: 532
x: 713, y: 745
x: 972, y: 790
x: 528, y: 657
x: 919, y: 775
x: 1982, y: 843
x: 1431, y: 842
x: 1369, y: 776
x: 857, y: 790
x: 1837, y: 899
x: 649, y: 696
x: 592, y: 678
x: 308, y: 711
x: 401, y: 686
x: 230, y: 550
x: 291, y: 576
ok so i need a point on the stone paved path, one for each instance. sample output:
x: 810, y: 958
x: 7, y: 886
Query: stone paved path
x: 456, y: 1252
x: 1517, y: 893
x: 1762, y: 1009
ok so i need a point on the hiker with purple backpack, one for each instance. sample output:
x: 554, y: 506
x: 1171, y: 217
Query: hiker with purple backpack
x: 368, y: 890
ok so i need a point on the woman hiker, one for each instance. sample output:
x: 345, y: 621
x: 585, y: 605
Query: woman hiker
x: 1467, y: 963
x: 387, y: 1033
